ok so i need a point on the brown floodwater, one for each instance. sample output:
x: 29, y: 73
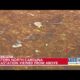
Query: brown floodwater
x: 40, y: 33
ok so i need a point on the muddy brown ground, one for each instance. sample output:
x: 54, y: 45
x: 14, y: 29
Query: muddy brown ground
x: 55, y: 34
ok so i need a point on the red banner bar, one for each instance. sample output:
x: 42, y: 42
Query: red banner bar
x: 59, y: 60
x: 32, y: 61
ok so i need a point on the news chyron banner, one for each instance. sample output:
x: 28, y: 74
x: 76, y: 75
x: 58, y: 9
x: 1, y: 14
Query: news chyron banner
x: 12, y: 61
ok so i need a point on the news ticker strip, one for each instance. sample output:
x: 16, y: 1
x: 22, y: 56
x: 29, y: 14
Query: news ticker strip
x: 39, y: 62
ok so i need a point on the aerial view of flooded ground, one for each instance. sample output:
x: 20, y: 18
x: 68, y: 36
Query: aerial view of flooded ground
x: 39, y: 34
